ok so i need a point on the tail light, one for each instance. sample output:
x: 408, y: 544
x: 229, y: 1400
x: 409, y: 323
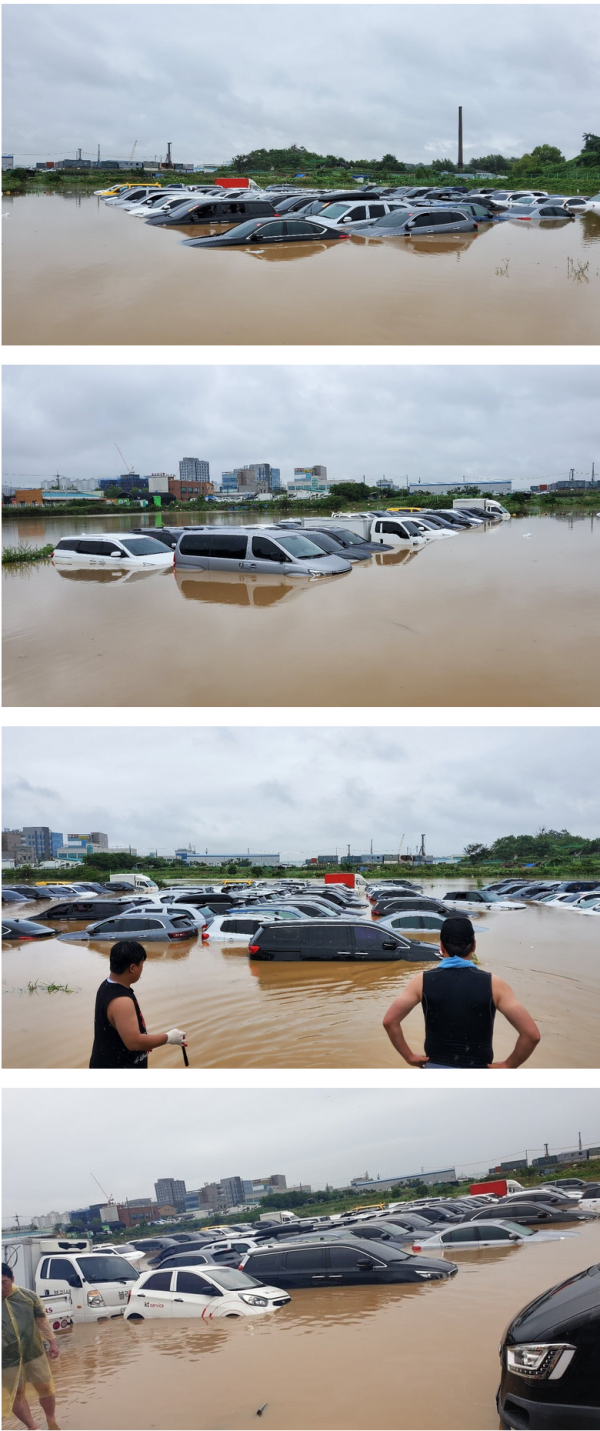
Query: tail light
x: 240, y: 1267
x: 183, y: 934
x: 253, y: 948
x: 416, y: 1247
x: 129, y: 1295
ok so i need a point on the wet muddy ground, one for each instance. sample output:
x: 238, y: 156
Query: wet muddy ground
x: 394, y: 1358
x: 239, y: 1014
x: 77, y: 271
x: 500, y: 615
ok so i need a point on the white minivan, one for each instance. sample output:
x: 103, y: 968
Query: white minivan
x: 104, y: 549
x: 203, y: 1291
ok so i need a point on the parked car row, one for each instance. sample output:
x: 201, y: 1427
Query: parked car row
x: 280, y: 215
x: 311, y: 547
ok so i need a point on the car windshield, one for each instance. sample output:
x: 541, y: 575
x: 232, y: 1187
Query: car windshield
x: 143, y: 546
x: 107, y: 1269
x: 333, y: 211
x: 297, y: 546
x: 516, y: 1227
x: 232, y: 1280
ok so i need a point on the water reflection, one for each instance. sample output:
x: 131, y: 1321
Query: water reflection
x: 107, y: 577
x: 590, y: 225
x: 315, y: 978
x: 397, y: 558
x: 235, y: 589
x: 287, y: 253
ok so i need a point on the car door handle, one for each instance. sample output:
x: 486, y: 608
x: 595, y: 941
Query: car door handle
x: 319, y: 1278
x: 335, y: 1276
x: 178, y: 1299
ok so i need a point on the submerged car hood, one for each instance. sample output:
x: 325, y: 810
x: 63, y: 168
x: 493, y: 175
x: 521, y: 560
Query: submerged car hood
x: 574, y: 1301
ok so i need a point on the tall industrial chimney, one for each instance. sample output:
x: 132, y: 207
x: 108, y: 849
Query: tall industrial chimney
x: 460, y: 144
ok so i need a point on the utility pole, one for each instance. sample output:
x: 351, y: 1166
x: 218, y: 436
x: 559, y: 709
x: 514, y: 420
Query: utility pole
x: 571, y: 473
x: 579, y: 1137
x: 79, y: 153
x: 98, y: 153
x: 168, y: 161
x: 422, y: 849
x: 546, y: 1150
x: 460, y: 137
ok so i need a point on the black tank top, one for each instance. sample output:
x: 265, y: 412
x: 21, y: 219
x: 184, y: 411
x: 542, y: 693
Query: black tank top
x: 459, y: 1014
x: 109, y: 1051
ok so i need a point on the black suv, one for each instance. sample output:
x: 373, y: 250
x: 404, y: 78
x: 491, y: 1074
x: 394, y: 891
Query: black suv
x: 341, y: 1263
x: 87, y: 909
x: 550, y: 1364
x: 339, y: 939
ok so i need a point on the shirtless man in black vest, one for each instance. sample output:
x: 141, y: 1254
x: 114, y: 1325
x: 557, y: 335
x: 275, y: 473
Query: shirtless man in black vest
x: 459, y: 1003
x: 120, y: 1038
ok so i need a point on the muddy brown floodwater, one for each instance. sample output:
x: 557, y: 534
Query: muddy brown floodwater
x: 239, y: 1014
x: 78, y: 271
x: 394, y: 1358
x: 502, y: 615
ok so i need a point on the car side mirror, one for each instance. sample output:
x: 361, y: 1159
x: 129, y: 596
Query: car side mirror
x: 389, y: 944
x: 74, y: 1281
x: 116, y: 554
x: 365, y: 1265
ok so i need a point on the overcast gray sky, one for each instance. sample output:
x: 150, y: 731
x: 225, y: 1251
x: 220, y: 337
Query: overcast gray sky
x: 129, y: 1139
x: 353, y: 80
x: 303, y: 790
x: 440, y: 422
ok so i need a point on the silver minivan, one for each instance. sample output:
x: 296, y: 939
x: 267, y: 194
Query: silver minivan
x: 256, y: 550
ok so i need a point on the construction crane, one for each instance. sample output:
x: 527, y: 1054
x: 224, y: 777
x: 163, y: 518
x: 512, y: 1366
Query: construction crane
x: 400, y: 848
x: 130, y: 471
x: 109, y: 1200
x: 132, y: 152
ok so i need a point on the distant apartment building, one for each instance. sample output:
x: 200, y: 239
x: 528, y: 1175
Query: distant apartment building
x: 193, y: 469
x: 255, y: 1188
x: 309, y: 480
x: 233, y: 1190
x: 171, y: 1190
x: 256, y: 478
x: 38, y: 838
x: 211, y: 1198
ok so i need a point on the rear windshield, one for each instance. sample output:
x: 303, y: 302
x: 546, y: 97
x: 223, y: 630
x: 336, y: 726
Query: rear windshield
x: 142, y: 546
x: 247, y: 228
x: 333, y: 211
x: 393, y: 220
x: 349, y: 537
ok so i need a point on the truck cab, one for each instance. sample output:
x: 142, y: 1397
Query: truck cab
x: 71, y: 1279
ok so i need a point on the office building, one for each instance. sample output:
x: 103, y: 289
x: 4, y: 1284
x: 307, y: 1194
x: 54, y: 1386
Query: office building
x: 171, y: 1190
x: 192, y: 469
x: 38, y: 838
x: 127, y: 482
x: 487, y: 489
x: 233, y: 1191
x: 184, y: 490
x: 310, y: 480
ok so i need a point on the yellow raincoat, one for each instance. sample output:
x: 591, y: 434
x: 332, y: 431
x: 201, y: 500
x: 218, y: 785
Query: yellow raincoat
x: 24, y: 1361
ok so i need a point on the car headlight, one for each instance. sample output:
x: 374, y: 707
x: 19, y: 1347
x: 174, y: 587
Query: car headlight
x: 540, y: 1361
x: 427, y: 1274
x: 315, y: 573
x: 254, y: 1301
x: 95, y: 1300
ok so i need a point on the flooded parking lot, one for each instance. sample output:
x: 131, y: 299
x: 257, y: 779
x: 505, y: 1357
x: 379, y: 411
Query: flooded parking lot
x: 502, y: 615
x: 239, y: 1014
x: 390, y: 1357
x: 78, y: 271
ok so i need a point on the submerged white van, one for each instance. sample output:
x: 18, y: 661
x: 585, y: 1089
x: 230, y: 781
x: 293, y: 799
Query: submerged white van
x: 121, y: 551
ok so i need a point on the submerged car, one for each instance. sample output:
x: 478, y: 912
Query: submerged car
x: 250, y: 550
x: 145, y: 927
x: 342, y: 940
x: 343, y: 1262
x: 550, y: 1369
x: 435, y: 220
x: 479, y: 899
x: 207, y: 1292
x: 232, y: 210
x: 260, y: 231
x: 124, y: 549
x: 19, y: 930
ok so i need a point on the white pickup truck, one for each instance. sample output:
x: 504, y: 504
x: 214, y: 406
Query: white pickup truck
x: 71, y: 1281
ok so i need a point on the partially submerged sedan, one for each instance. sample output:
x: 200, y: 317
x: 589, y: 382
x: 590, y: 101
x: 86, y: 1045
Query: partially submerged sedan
x: 480, y: 899
x: 342, y: 1262
x: 101, y: 549
x: 19, y: 930
x: 435, y: 220
x: 261, y: 231
x: 203, y: 1291
x: 501, y: 1233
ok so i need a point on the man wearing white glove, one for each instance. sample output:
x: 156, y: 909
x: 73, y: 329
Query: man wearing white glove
x: 120, y: 1038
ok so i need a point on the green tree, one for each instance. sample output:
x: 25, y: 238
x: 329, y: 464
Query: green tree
x: 231, y: 869
x: 257, y: 871
x: 475, y: 853
x: 591, y: 144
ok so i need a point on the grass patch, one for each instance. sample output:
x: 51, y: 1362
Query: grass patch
x: 11, y: 556
x: 35, y: 986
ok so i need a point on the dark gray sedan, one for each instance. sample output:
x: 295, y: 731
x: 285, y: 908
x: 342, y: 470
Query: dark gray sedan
x: 213, y: 211
x: 260, y: 231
